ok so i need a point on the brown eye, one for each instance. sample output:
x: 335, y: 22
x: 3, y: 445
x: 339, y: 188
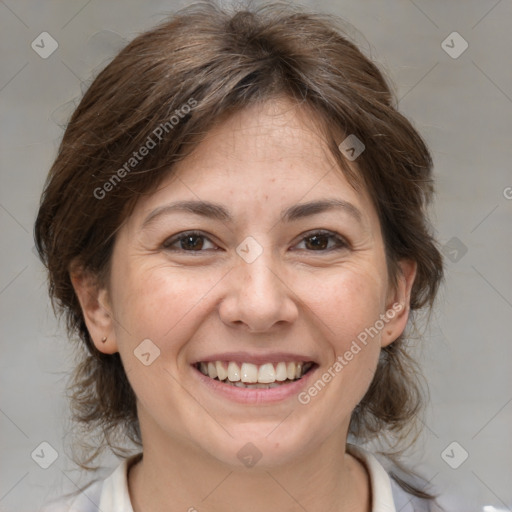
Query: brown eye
x: 317, y: 242
x: 187, y: 242
x: 320, y: 242
x: 191, y: 242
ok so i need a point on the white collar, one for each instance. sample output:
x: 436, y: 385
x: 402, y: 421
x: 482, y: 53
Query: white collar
x: 380, y: 483
x: 115, y: 494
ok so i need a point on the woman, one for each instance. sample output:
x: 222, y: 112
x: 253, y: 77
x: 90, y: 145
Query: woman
x: 235, y: 228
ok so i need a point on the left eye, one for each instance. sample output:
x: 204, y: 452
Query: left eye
x: 196, y: 242
x: 319, y: 241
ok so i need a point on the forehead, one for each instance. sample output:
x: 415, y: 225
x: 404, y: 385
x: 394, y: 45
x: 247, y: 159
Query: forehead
x: 266, y: 156
x: 271, y: 132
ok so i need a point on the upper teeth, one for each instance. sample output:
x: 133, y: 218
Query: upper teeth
x: 251, y: 373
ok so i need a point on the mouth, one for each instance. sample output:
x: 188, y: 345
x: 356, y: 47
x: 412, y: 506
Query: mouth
x: 255, y: 376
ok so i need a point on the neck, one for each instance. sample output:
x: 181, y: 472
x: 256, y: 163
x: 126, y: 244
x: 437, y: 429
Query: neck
x: 326, y: 479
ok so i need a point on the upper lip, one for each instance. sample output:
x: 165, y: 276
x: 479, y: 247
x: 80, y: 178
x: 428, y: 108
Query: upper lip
x: 245, y: 357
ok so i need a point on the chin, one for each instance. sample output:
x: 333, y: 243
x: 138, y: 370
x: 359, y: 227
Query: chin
x: 263, y: 445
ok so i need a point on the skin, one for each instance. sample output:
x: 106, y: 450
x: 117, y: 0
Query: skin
x: 293, y: 298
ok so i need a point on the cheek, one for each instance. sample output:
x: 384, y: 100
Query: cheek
x: 157, y: 302
x: 349, y: 307
x: 161, y: 304
x: 348, y: 303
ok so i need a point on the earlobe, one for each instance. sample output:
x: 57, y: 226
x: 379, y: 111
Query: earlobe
x: 96, y: 309
x: 398, y: 306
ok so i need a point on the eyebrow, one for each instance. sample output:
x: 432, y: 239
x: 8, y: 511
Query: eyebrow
x: 218, y: 212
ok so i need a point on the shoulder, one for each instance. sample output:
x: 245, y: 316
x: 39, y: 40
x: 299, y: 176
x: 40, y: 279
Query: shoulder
x: 387, y: 494
x: 406, y: 502
x: 110, y: 493
x: 85, y: 500
x: 106, y: 494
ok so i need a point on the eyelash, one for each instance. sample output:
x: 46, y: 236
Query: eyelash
x: 340, y: 241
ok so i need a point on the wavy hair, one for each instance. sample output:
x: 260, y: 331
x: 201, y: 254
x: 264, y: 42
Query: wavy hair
x: 227, y: 60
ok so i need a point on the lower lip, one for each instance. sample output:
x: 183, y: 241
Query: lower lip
x: 255, y: 396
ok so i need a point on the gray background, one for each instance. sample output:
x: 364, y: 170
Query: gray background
x: 462, y: 106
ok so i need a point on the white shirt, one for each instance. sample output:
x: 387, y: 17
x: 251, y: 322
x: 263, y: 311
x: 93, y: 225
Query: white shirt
x: 112, y: 495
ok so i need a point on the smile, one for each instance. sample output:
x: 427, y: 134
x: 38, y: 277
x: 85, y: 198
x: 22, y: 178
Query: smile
x: 253, y: 376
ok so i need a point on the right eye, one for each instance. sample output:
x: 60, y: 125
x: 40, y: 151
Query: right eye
x: 189, y: 241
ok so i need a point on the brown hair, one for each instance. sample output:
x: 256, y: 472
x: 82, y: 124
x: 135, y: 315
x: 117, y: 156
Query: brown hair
x: 218, y: 63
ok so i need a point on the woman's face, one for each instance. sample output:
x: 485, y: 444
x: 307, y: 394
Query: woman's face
x: 266, y: 284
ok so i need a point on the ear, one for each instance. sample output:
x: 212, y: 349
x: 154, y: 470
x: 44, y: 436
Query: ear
x: 95, y: 303
x: 398, y: 306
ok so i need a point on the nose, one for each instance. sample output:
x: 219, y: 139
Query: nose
x: 258, y: 296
